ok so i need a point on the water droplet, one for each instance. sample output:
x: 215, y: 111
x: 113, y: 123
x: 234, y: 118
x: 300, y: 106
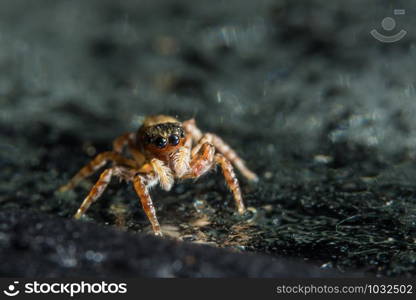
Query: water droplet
x: 199, y: 205
x: 327, y: 265
x: 94, y: 256
x: 250, y: 214
x: 276, y: 221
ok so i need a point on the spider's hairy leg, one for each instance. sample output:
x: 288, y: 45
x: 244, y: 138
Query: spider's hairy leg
x: 231, y: 179
x: 120, y: 142
x: 142, y: 184
x: 191, y: 129
x: 128, y: 139
x: 99, y: 161
x: 233, y: 157
x: 137, y: 155
x: 205, y: 159
x: 98, y: 189
x: 202, y: 161
x: 220, y: 145
x: 188, y: 142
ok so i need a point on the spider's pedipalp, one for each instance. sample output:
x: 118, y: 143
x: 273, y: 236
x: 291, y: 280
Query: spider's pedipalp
x: 180, y: 161
x: 164, y: 174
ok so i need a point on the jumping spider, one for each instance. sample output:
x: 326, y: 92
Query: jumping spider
x: 162, y: 150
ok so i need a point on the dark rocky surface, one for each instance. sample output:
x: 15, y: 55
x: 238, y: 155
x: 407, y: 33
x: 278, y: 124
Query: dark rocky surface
x: 50, y: 247
x: 319, y: 109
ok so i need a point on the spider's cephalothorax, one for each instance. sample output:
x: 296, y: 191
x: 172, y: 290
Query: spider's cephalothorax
x: 162, y: 150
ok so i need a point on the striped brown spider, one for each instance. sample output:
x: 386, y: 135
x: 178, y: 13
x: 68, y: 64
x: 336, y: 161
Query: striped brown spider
x: 162, y: 150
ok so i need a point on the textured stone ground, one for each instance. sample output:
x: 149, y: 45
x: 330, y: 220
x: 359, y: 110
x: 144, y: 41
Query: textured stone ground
x: 318, y: 108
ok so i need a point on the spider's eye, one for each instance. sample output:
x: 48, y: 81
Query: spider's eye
x: 147, y: 139
x: 160, y: 142
x: 174, y: 139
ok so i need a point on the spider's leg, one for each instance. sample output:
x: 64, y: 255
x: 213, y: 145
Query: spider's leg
x: 188, y: 141
x: 220, y: 145
x: 231, y: 179
x: 231, y: 155
x: 137, y: 155
x: 205, y: 159
x: 192, y: 130
x: 120, y: 142
x: 98, y: 189
x: 142, y: 183
x: 99, y: 161
x: 202, y: 161
x: 128, y: 139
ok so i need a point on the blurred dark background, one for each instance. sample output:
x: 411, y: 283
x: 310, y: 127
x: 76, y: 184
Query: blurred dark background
x: 319, y: 108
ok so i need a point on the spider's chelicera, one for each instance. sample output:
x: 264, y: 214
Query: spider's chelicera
x: 162, y: 150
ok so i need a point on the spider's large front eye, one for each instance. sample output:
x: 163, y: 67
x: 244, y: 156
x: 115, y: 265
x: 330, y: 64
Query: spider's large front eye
x: 161, y: 142
x: 174, y: 139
